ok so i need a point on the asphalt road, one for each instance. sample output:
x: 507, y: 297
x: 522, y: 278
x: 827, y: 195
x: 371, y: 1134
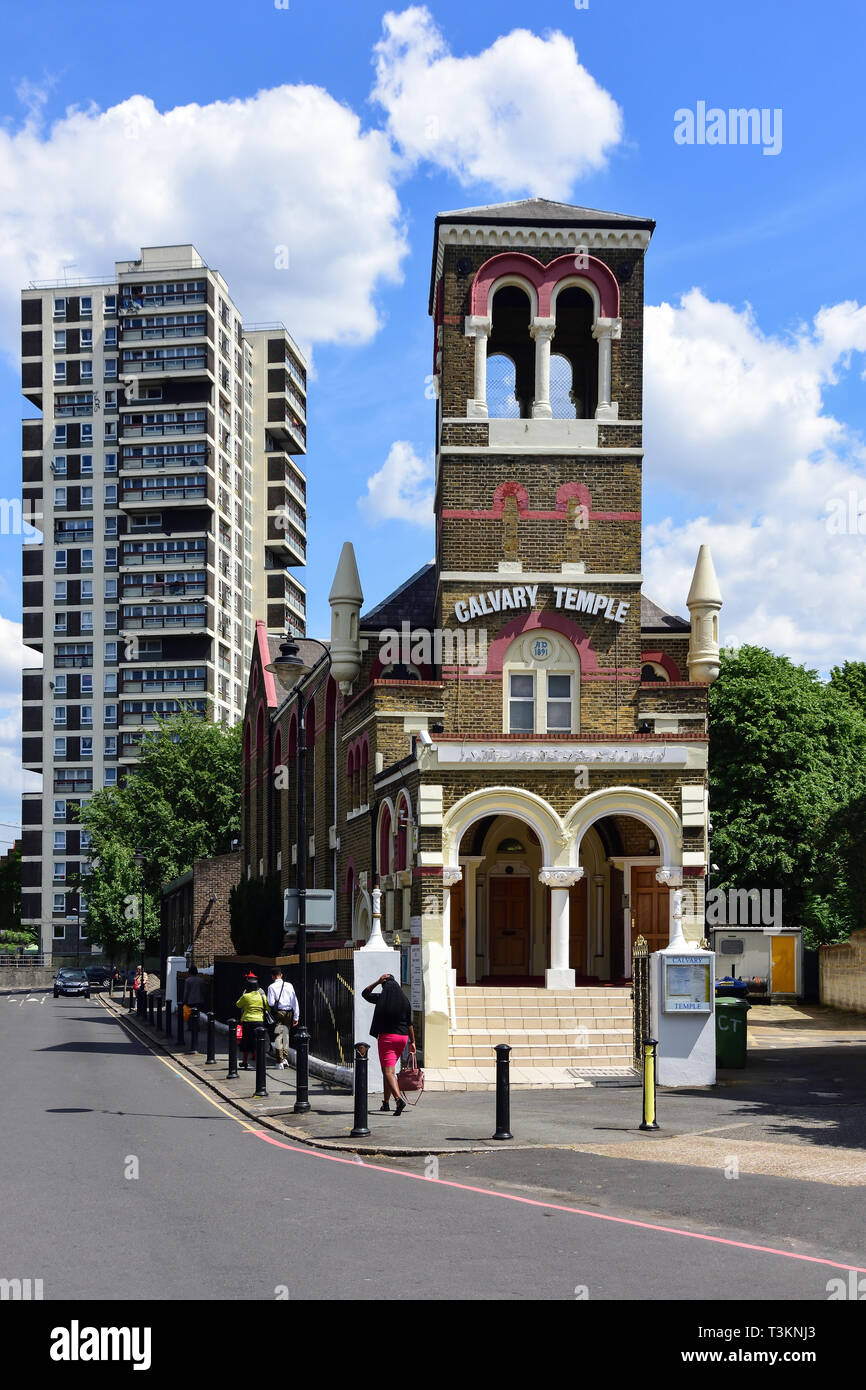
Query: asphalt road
x: 120, y: 1179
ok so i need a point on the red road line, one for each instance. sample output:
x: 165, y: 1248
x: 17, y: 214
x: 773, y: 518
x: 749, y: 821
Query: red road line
x: 552, y: 1206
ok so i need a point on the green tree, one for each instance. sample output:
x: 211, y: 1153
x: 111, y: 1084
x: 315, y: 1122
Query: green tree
x: 787, y: 755
x: 12, y: 935
x: 182, y: 802
x: 850, y: 680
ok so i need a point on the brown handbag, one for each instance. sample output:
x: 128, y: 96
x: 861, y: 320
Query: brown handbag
x: 410, y: 1079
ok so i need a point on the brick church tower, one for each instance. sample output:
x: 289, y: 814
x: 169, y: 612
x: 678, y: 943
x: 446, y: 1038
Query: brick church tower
x: 522, y: 733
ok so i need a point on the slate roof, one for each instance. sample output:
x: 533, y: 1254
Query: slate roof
x: 413, y: 602
x: 656, y: 619
x: 535, y: 211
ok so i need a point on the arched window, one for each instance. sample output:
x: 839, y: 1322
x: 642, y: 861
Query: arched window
x: 385, y: 841
x: 541, y: 685
x: 278, y: 795
x: 510, y: 338
x: 404, y: 817
x: 652, y: 671
x: 260, y: 729
x: 248, y: 740
x: 364, y: 774
x: 574, y: 356
x: 350, y: 779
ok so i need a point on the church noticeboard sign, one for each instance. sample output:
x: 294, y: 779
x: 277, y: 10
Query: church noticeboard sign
x: 687, y: 984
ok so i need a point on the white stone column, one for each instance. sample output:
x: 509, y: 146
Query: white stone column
x: 542, y: 331
x: 479, y: 327
x: 604, y: 331
x: 559, y: 881
x: 673, y: 877
x: 377, y: 942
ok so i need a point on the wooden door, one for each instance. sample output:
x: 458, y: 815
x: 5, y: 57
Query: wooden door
x: 650, y: 908
x: 577, y: 927
x: 509, y: 926
x: 458, y: 931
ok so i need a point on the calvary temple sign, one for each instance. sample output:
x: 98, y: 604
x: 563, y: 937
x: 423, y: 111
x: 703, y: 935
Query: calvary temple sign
x: 525, y: 595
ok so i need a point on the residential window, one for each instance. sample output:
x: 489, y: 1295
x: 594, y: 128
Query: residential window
x: 86, y: 340
x: 60, y: 714
x: 59, y: 371
x: 60, y: 497
x: 521, y: 704
x: 111, y: 336
x: 60, y: 591
x: 86, y: 465
x: 60, y: 842
x: 86, y: 716
x: 87, y: 559
x: 111, y: 620
x: 87, y: 591
x: 110, y: 465
x: 60, y: 810
x: 87, y: 748
x: 59, y: 871
x: 110, y: 375
x: 58, y: 467
x: 84, y: 842
x: 87, y: 683
x: 60, y: 308
x: 87, y: 497
x: 110, y: 746
x: 59, y: 684
x: 110, y: 305
x: 60, y: 559
x: 110, y: 522
x: 60, y: 340
x: 110, y: 429
x: 86, y: 622
x: 558, y: 704
x: 59, y: 434
x: 86, y: 306
x: 110, y: 777
x: 110, y: 683
x: 111, y: 651
x: 111, y: 557
x: 111, y: 494
x: 111, y: 588
x: 87, y: 433
x: 60, y: 748
x: 59, y: 622
x: 110, y: 714
x: 86, y: 371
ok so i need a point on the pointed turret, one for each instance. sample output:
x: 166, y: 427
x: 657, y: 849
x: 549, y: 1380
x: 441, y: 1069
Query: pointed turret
x: 345, y: 598
x: 703, y: 603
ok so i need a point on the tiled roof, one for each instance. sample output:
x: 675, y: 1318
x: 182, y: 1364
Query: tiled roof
x: 412, y: 602
x: 656, y: 619
x: 535, y: 210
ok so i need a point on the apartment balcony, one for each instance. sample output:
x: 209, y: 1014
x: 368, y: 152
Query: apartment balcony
x: 162, y: 709
x: 156, y: 366
x: 162, y: 555
x: 175, y: 588
x: 134, y: 460
x: 155, y: 333
x: 134, y: 303
x: 186, y: 686
x: 179, y: 494
x: 159, y: 619
x: 284, y: 426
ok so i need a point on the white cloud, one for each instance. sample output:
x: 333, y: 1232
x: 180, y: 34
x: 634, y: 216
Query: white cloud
x: 523, y: 115
x: 402, y: 490
x: 737, y: 419
x: 13, y: 780
x: 290, y: 167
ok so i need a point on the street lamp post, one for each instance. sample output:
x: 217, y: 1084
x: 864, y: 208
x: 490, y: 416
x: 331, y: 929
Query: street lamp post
x: 290, y: 663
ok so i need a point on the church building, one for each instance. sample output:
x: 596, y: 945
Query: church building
x: 512, y: 745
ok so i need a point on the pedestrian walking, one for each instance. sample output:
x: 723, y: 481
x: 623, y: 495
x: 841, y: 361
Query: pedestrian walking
x: 138, y: 981
x: 283, y: 1004
x: 392, y: 1028
x: 195, y: 992
x: 252, y: 1004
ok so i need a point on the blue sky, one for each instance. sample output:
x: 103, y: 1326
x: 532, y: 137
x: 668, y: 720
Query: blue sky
x: 341, y: 130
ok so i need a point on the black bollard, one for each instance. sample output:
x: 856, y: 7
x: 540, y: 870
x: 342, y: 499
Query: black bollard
x: 129, y: 1001
x: 168, y: 1018
x: 503, y: 1092
x: 159, y: 1014
x: 302, y: 1071
x: 142, y: 1001
x: 179, y: 1012
x: 150, y: 1009
x: 193, y: 1030
x: 211, y: 1040
x: 261, y: 1078
x: 233, y: 1050
x: 361, y: 1130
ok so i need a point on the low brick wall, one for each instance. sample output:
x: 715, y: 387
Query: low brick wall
x: 843, y: 973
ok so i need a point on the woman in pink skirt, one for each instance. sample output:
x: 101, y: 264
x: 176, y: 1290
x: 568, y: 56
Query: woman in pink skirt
x: 392, y: 1029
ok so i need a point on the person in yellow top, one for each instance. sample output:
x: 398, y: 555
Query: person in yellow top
x: 252, y: 1005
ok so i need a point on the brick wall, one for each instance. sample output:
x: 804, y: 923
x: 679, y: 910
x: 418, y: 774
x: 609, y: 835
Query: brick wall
x: 842, y: 970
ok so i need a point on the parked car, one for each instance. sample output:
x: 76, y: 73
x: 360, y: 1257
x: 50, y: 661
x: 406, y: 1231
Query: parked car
x: 98, y: 975
x: 71, y: 982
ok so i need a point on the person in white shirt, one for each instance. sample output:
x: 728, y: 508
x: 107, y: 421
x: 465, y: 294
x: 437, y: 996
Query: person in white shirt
x: 283, y: 1004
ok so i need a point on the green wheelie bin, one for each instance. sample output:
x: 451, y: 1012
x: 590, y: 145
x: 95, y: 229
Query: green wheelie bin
x: 731, y: 1032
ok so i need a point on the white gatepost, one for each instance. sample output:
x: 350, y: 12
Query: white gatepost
x: 370, y: 962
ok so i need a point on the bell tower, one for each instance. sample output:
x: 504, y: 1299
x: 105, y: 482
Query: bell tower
x: 538, y: 314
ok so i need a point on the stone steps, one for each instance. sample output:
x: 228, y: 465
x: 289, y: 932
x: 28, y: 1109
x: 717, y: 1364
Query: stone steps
x: 554, y: 1030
